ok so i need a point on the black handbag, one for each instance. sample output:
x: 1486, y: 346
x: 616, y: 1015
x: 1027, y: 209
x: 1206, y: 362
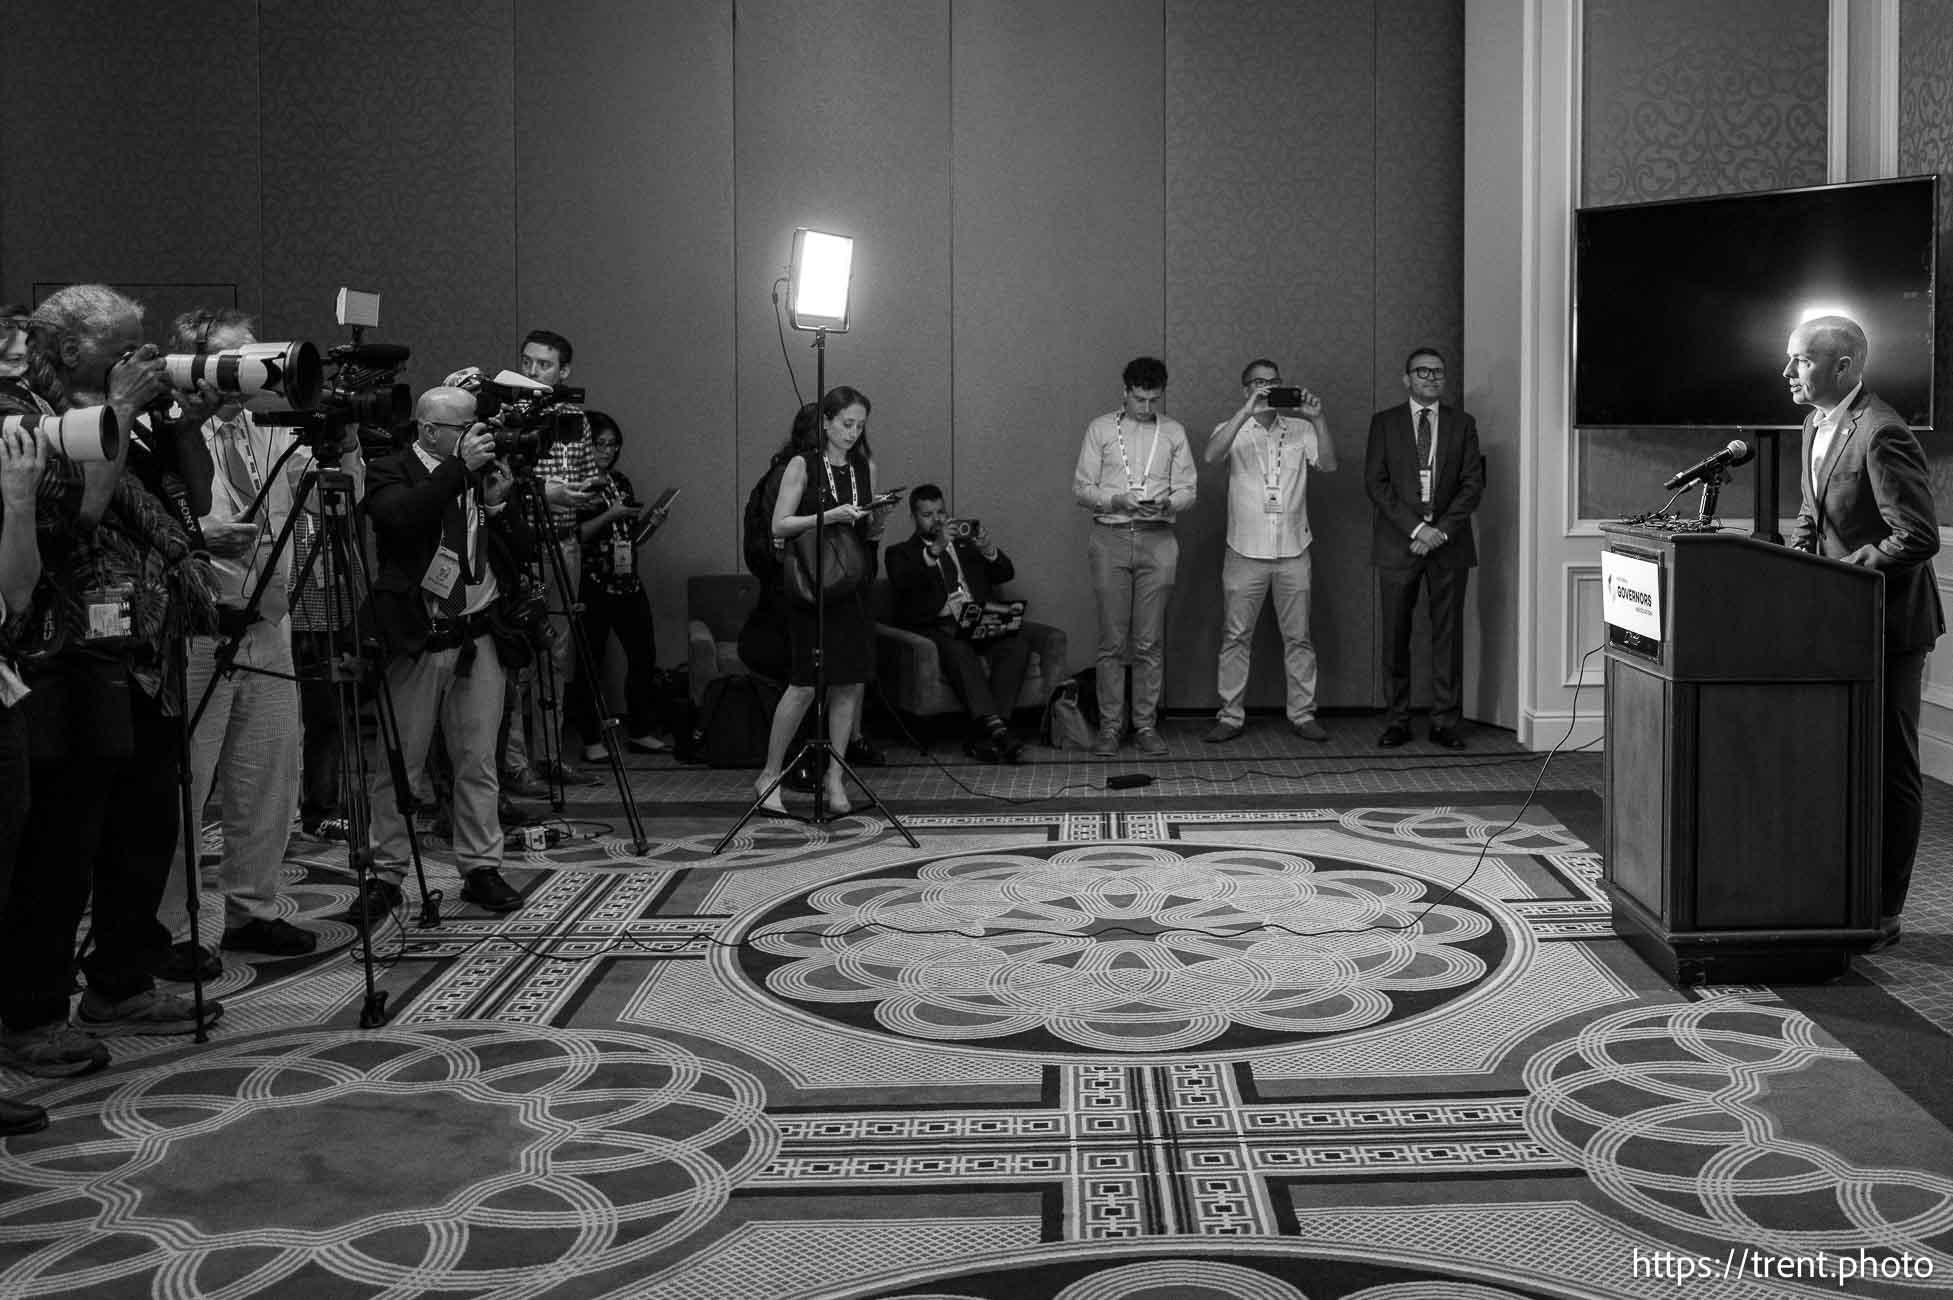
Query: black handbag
x: 843, y: 563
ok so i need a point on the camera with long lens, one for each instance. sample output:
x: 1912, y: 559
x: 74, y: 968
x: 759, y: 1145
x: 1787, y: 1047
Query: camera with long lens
x: 264, y: 378
x: 526, y: 418
x: 85, y: 433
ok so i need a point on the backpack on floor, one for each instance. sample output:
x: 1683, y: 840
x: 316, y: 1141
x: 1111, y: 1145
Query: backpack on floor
x: 734, y: 718
x: 1064, y: 722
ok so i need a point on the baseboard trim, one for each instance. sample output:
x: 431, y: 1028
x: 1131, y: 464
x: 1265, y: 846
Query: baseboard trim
x: 1542, y: 731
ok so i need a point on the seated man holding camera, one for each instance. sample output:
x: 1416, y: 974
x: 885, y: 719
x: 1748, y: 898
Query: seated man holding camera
x: 942, y: 578
x: 448, y: 548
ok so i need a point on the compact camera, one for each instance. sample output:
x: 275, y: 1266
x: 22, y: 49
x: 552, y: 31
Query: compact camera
x: 960, y: 528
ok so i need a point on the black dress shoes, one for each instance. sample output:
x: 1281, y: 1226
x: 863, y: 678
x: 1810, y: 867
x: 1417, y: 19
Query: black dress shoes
x: 863, y: 752
x: 1393, y: 735
x: 20, y: 1117
x: 377, y: 903
x: 484, y: 887
x: 1447, y: 737
x: 983, y: 749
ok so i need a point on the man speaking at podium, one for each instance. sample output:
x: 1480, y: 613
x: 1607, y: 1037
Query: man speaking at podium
x: 1868, y: 501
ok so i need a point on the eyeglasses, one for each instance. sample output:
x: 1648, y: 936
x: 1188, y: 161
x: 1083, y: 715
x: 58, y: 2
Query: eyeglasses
x: 607, y: 444
x: 1428, y: 372
x: 447, y: 424
x: 1265, y: 381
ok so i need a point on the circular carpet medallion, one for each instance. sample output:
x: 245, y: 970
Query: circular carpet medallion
x: 402, y: 1160
x: 1126, y: 948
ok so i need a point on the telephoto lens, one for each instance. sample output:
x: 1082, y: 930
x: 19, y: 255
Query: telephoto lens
x: 264, y: 376
x: 85, y: 433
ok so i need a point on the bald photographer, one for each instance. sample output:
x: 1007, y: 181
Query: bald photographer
x: 449, y: 548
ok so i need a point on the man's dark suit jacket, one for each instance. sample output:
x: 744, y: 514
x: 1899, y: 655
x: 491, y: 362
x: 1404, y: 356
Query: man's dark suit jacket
x: 1874, y: 495
x: 921, y: 589
x: 407, y: 505
x: 1390, y: 474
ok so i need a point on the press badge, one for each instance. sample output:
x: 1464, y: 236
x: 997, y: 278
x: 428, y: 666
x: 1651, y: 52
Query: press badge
x: 442, y: 573
x: 1271, y: 501
x: 110, y: 611
x: 622, y: 556
x: 1424, y: 484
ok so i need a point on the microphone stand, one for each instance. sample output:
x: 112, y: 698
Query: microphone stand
x: 1705, y: 513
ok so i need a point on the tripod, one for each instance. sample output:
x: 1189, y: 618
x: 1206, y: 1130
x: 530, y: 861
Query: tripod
x: 820, y: 745
x: 338, y: 542
x: 536, y: 510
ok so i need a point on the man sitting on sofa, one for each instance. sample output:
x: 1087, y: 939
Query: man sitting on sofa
x: 940, y: 576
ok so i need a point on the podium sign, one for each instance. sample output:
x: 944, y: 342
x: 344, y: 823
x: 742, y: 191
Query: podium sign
x: 1631, y: 602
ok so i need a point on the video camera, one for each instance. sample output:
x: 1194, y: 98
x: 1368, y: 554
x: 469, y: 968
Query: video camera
x: 83, y: 434
x: 524, y: 417
x: 363, y: 392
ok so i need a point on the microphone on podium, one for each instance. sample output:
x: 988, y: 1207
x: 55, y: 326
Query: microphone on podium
x: 1736, y: 453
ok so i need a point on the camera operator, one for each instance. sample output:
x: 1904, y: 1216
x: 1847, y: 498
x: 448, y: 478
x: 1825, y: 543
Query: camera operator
x: 571, y: 484
x: 447, y: 547
x: 937, y: 574
x: 246, y: 742
x: 119, y: 588
x: 21, y: 464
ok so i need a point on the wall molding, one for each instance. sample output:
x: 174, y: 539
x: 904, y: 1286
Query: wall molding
x: 1543, y: 730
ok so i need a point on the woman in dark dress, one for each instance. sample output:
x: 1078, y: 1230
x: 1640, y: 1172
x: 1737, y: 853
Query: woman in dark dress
x: 842, y: 468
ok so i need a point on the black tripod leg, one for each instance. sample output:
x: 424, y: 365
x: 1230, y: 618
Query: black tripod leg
x: 874, y: 800
x: 590, y: 666
x: 756, y: 805
x: 192, y: 834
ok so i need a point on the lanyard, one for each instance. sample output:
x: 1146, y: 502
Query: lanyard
x: 1271, y: 461
x: 1135, y: 486
x: 833, y: 487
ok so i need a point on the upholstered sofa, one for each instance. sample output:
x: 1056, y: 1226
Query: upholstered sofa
x: 911, y: 680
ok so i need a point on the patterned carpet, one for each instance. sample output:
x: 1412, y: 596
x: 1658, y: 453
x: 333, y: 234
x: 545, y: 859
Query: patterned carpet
x: 1227, y: 1044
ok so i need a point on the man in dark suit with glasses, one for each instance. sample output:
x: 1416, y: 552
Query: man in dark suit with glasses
x: 1424, y: 474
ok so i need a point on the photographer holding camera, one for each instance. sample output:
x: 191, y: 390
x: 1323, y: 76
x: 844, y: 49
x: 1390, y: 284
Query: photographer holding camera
x: 22, y: 461
x: 118, y: 592
x: 448, y: 548
x: 246, y: 744
x: 572, y: 483
x: 942, y: 570
x: 1270, y: 445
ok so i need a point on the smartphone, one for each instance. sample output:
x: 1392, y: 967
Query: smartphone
x: 1285, y: 399
x: 889, y: 497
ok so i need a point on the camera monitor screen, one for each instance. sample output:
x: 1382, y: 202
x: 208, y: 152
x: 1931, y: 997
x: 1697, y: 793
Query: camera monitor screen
x: 1683, y: 308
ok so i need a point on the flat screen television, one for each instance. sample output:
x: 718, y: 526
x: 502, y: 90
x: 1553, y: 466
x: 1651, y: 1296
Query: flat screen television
x: 1682, y: 308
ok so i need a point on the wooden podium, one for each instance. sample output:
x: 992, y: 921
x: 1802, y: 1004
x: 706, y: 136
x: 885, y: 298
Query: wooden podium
x: 1742, y: 777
